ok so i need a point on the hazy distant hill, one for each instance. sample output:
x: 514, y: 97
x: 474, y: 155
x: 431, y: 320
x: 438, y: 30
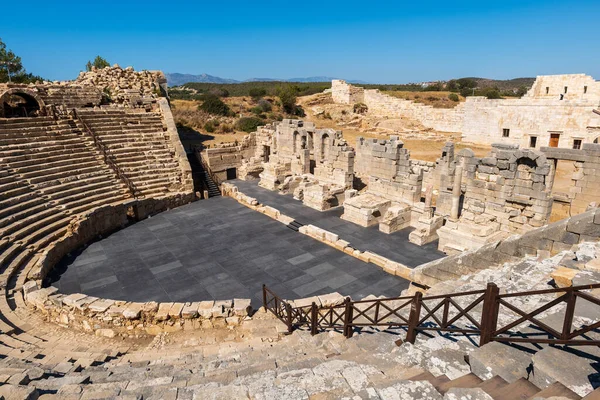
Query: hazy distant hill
x: 177, y: 79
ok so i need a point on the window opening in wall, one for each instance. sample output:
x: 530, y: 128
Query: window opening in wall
x: 533, y: 141
x: 577, y: 144
x: 566, y: 89
x: 505, y: 132
x: 547, y: 89
x: 584, y: 89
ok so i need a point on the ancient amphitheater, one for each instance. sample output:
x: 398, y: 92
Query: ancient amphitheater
x: 290, y: 265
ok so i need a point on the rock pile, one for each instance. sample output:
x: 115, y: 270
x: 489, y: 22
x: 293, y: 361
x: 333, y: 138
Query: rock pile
x: 124, y: 85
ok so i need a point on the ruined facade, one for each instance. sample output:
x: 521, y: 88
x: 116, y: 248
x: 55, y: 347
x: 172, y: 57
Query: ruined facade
x: 558, y: 111
x: 316, y: 165
x: 507, y: 192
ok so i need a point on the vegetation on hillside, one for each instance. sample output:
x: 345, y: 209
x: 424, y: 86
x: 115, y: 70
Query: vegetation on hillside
x: 193, y: 91
x: 9, y: 61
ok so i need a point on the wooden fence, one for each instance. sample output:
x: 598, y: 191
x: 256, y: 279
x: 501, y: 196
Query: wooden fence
x: 453, y: 313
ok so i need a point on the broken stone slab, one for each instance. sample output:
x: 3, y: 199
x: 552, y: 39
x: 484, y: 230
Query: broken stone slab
x: 175, y: 311
x: 72, y: 298
x: 241, y: 307
x: 331, y: 299
x: 190, y: 310
x: 563, y: 276
x: 306, y: 302
x: 499, y: 359
x: 132, y: 311
x: 30, y: 286
x: 163, y: 311
x: 555, y: 365
x: 205, y: 308
x: 100, y: 306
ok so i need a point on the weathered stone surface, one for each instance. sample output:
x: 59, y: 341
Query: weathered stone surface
x: 499, y: 359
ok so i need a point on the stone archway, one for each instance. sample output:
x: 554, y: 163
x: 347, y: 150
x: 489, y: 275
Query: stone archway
x: 20, y: 102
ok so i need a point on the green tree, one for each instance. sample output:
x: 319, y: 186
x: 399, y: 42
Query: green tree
x: 99, y: 62
x: 10, y: 61
x: 287, y: 98
x: 214, y: 105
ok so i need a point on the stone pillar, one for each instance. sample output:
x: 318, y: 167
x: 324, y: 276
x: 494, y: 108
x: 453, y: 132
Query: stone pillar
x: 428, y: 209
x: 456, y: 191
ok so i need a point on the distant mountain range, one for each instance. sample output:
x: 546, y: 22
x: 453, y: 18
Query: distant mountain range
x: 177, y: 79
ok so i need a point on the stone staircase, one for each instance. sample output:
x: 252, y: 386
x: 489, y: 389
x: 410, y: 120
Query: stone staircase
x: 139, y: 145
x: 253, y: 361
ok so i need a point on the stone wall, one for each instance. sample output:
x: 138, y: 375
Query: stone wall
x: 507, y: 192
x: 545, y: 241
x: 545, y: 110
x: 379, y: 104
x: 585, y: 180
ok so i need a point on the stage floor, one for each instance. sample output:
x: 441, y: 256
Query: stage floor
x: 216, y: 249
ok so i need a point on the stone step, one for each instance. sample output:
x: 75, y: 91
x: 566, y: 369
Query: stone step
x: 17, y: 203
x: 42, y: 229
x: 63, y: 173
x: 556, y: 389
x: 493, y: 385
x: 41, y: 152
x: 55, y: 191
x: 56, y: 156
x: 595, y: 395
x: 92, y: 197
x: 42, y: 145
x: 520, y: 389
x: 25, y: 220
x: 16, y: 191
x: 465, y: 381
x: 68, y: 160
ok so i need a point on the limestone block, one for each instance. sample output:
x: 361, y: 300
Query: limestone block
x: 132, y: 311
x: 190, y: 310
x: 71, y: 299
x: 499, y: 359
x: 163, y: 311
x: 241, y: 307
x: 205, y: 308
x: 101, y: 305
x: 175, y: 311
x: 563, y: 276
x: 331, y: 299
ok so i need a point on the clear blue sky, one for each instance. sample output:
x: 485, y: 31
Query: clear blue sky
x: 375, y: 41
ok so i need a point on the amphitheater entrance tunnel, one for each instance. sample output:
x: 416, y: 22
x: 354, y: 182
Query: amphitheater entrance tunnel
x: 20, y: 103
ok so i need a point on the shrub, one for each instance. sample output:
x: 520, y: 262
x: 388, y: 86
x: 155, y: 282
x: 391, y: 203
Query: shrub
x: 226, y: 128
x: 219, y: 92
x: 453, y: 97
x: 248, y: 124
x: 265, y: 105
x: 431, y: 98
x: 360, y: 108
x: 257, y: 93
x: 209, y: 127
x: 256, y: 110
x: 493, y: 94
x: 213, y: 105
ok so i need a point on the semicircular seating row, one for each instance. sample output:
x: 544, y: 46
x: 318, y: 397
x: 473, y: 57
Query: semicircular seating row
x: 50, y: 172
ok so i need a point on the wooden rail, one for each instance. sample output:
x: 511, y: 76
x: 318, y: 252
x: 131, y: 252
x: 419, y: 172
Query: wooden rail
x: 447, y: 313
x: 107, y: 157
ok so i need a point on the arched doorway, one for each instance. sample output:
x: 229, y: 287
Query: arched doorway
x: 16, y: 103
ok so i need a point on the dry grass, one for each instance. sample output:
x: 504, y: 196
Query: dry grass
x: 435, y: 99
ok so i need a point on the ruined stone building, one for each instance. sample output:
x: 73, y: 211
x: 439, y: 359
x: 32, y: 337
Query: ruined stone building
x: 558, y: 111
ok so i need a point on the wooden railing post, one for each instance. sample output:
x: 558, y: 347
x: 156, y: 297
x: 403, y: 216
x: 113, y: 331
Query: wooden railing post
x: 413, y: 319
x: 264, y: 288
x: 313, y: 318
x: 569, y: 313
x: 348, y: 330
x: 489, y: 314
x: 288, y: 310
